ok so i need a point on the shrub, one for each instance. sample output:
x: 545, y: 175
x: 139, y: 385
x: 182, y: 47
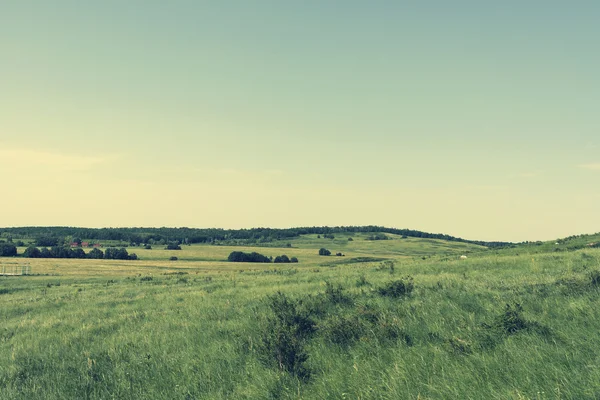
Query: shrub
x: 293, y: 260
x: 285, y: 336
x: 362, y: 281
x: 335, y: 294
x: 511, y: 320
x: 148, y: 247
x: 343, y: 330
x: 350, y: 239
x: 173, y: 258
x: 173, y: 246
x: 324, y: 252
x: 595, y: 277
x: 398, y: 288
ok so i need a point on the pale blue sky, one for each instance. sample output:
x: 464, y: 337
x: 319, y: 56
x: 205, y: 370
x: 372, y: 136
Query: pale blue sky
x: 475, y: 119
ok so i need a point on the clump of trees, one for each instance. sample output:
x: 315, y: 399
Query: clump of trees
x: 324, y: 252
x: 282, y: 259
x: 240, y: 256
x: 173, y: 246
x: 285, y: 259
x: 66, y: 252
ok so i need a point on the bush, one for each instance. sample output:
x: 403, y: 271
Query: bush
x: 173, y: 246
x: 148, y: 247
x: 173, y: 258
x: 511, y: 321
x: 324, y: 252
x: 286, y: 334
x: 595, y: 278
x: 343, y: 330
x: 398, y: 288
x: 8, y: 250
x: 350, y: 239
x: 335, y: 294
x: 293, y: 260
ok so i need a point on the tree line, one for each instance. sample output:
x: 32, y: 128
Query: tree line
x: 111, y: 253
x: 214, y: 235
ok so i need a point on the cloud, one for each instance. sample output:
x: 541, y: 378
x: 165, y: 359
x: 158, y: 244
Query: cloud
x: 590, y: 166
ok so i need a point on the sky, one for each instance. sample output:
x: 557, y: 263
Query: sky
x: 472, y: 118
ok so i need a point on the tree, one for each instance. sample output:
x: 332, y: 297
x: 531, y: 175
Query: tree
x: 96, y: 253
x: 46, y: 253
x: 173, y: 246
x: 32, y: 252
x: 46, y: 240
x: 78, y: 253
x: 282, y: 259
x: 324, y: 252
x: 8, y: 250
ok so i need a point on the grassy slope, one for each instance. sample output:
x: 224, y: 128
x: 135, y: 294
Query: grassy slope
x: 107, y: 333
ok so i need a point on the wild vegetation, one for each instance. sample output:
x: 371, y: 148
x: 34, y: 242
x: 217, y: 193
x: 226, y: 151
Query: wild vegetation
x: 396, y: 318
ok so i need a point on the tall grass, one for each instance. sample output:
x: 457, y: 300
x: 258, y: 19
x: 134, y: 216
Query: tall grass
x: 489, y: 327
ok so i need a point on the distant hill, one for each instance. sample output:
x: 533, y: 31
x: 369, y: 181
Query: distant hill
x: 219, y: 236
x: 569, y: 243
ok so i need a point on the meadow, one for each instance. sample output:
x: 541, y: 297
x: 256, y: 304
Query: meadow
x: 391, y: 319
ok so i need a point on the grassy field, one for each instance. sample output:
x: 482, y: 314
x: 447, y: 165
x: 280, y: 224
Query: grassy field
x: 418, y: 323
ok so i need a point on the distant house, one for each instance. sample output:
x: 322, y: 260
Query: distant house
x: 97, y: 245
x: 74, y: 244
x: 85, y: 244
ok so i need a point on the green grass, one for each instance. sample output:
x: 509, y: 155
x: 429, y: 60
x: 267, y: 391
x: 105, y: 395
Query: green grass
x: 201, y: 327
